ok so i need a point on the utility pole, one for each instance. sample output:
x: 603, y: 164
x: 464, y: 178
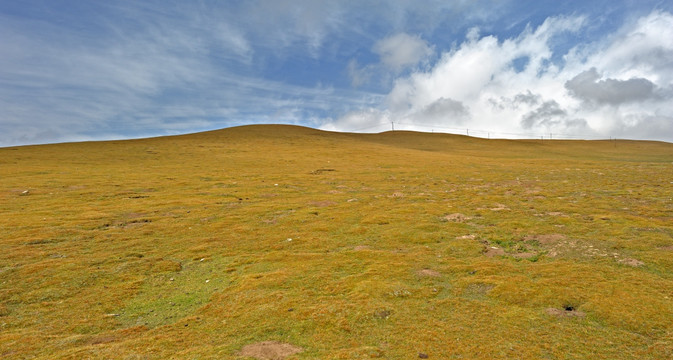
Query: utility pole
x: 393, y: 125
x: 468, y: 132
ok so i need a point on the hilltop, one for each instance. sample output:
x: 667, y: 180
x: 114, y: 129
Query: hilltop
x: 326, y: 245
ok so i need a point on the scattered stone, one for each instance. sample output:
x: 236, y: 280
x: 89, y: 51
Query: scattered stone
x: 24, y: 193
x: 423, y: 355
x: 270, y: 350
x: 352, y: 200
x: 397, y: 194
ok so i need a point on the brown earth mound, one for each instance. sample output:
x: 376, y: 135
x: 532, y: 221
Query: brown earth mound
x: 270, y: 350
x: 457, y: 217
x: 429, y: 272
x: 565, y: 312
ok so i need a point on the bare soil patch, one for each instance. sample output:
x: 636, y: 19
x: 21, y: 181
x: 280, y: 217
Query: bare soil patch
x: 457, y: 217
x: 499, y: 207
x: 324, y: 203
x: 631, y: 262
x: 429, y: 272
x: 361, y: 247
x: 524, y: 255
x: 492, y: 251
x: 565, y: 312
x: 270, y: 350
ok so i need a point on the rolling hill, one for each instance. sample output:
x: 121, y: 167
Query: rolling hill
x: 269, y: 241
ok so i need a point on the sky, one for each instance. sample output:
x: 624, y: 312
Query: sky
x: 73, y: 70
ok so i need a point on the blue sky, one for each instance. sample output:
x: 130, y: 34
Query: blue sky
x: 87, y: 70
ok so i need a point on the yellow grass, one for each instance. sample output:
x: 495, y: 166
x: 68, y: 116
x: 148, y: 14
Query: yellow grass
x: 348, y: 246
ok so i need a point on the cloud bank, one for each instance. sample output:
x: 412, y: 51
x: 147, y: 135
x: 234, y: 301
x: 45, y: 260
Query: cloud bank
x: 523, y: 86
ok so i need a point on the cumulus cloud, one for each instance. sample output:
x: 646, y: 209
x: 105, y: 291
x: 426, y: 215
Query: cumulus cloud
x: 527, y: 84
x: 443, y: 111
x: 587, y: 86
x: 402, y: 50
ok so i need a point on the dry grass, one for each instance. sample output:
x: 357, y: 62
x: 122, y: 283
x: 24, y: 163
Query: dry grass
x: 346, y: 246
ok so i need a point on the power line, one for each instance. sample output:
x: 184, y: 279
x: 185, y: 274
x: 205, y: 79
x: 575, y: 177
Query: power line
x: 488, y: 133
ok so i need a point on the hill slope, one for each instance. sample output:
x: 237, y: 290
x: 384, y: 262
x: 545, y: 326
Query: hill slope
x: 344, y: 245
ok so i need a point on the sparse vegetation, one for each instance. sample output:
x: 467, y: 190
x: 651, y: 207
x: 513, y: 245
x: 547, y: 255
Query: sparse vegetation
x: 336, y: 246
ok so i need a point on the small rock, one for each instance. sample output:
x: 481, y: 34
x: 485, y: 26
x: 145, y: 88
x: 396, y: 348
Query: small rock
x: 423, y: 355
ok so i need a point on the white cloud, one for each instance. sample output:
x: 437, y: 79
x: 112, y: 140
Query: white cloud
x: 402, y: 50
x: 618, y: 86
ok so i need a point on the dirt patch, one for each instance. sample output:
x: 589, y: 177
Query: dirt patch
x: 466, y: 237
x: 631, y: 262
x: 270, y: 350
x: 320, y: 171
x: 324, y: 203
x: 499, y: 207
x: 383, y: 314
x: 361, y: 247
x: 566, y: 312
x: 429, y: 272
x: 492, y: 251
x: 100, y: 340
x: 397, y: 194
x: 456, y: 217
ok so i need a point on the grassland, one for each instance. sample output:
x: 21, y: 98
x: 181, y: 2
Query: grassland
x: 349, y: 246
